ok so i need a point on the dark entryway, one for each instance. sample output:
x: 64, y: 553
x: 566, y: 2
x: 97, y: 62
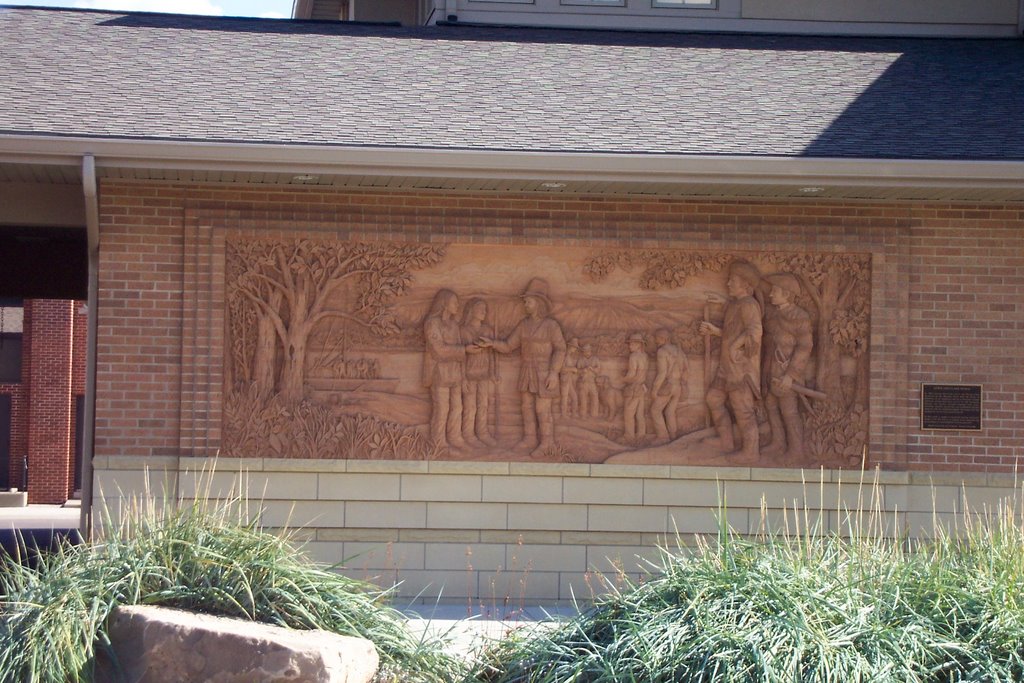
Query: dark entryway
x: 43, y: 263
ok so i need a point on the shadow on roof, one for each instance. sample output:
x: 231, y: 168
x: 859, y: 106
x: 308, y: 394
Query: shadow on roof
x: 929, y: 105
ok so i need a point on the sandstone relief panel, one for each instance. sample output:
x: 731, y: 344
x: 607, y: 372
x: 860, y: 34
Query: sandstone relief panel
x: 382, y: 350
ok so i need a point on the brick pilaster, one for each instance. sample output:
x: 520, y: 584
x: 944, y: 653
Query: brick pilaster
x: 49, y: 437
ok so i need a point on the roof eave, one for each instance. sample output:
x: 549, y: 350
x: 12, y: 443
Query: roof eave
x: 521, y: 165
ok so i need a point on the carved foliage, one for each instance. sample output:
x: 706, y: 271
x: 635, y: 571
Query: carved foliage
x: 287, y: 286
x: 850, y: 327
x: 836, y: 431
x: 661, y: 269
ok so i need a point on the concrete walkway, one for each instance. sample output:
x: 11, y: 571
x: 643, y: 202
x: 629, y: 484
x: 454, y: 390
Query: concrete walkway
x: 466, y: 631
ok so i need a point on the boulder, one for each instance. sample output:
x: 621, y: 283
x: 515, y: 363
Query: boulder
x: 162, y: 645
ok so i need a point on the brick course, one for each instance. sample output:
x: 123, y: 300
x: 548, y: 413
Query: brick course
x: 943, y: 292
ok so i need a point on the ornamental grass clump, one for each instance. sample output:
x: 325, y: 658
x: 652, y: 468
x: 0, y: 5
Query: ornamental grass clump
x: 199, y: 556
x: 801, y: 606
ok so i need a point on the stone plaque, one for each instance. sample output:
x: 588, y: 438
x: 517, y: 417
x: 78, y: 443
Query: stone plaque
x: 951, y: 406
x: 387, y: 350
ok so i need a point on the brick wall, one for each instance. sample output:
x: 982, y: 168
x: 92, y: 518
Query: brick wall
x: 945, y: 285
x: 54, y: 348
x: 19, y: 429
x: 932, y: 263
x: 139, y: 321
x: 49, y: 414
x: 967, y: 326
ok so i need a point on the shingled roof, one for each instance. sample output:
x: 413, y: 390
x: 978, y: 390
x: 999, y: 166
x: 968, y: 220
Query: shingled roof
x: 173, y: 77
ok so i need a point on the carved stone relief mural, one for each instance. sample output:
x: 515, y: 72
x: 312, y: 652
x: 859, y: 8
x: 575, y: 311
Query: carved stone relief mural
x: 340, y: 349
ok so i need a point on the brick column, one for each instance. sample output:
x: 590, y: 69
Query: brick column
x: 79, y: 350
x: 49, y: 437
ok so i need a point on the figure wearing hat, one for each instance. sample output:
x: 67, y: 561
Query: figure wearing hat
x: 635, y: 390
x: 789, y: 340
x: 542, y: 347
x: 738, y: 381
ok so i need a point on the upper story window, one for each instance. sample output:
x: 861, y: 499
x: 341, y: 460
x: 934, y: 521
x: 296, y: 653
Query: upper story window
x: 12, y: 316
x: 686, y: 4
x: 677, y: 4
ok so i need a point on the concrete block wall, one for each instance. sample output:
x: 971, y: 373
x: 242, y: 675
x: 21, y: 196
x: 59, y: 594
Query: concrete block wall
x: 494, y: 535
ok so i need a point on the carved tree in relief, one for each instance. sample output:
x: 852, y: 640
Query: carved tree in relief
x: 832, y: 281
x: 253, y: 337
x: 850, y: 329
x: 290, y: 285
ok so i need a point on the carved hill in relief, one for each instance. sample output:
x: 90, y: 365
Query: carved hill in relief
x: 341, y: 349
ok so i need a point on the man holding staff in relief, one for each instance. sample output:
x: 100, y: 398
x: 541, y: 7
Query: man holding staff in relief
x: 737, y: 385
x: 541, y: 344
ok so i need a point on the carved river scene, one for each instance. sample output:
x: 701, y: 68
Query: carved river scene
x: 388, y: 350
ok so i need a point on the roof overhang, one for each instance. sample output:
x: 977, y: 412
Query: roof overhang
x: 489, y: 170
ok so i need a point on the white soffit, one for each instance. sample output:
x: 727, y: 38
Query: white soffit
x: 57, y: 160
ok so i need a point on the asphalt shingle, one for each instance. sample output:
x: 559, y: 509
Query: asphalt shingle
x: 172, y: 77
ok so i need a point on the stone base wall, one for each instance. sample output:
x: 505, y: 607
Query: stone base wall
x: 498, y: 535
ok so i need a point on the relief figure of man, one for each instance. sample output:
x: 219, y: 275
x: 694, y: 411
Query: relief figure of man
x: 667, y: 388
x: 443, y: 369
x: 737, y: 384
x: 634, y: 393
x: 541, y: 344
x: 789, y: 340
x: 568, y: 378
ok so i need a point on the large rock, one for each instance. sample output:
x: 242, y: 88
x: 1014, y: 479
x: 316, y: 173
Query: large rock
x: 161, y: 645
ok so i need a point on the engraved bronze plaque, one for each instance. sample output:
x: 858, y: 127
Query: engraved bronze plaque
x: 951, y: 407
